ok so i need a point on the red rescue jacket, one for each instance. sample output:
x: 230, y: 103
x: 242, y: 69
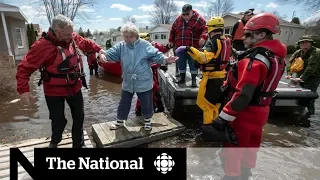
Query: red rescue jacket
x: 254, y: 78
x: 46, y: 53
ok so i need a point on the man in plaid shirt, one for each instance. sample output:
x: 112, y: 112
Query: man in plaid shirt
x: 189, y: 29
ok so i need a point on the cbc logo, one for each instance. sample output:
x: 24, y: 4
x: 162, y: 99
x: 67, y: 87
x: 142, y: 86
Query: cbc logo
x: 164, y: 163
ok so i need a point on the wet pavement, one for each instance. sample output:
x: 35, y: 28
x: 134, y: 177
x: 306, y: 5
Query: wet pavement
x: 101, y: 100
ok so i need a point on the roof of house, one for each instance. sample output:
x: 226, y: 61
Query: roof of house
x: 282, y: 21
x: 165, y: 26
x: 8, y: 6
x: 11, y: 10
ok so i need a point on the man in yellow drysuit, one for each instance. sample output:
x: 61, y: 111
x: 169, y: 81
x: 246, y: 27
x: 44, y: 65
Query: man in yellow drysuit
x: 213, y: 60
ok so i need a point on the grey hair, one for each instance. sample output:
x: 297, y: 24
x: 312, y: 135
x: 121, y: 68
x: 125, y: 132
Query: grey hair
x: 61, y: 21
x: 130, y: 28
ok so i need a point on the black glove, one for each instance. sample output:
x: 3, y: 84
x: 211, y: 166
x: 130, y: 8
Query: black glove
x: 219, y: 124
x: 164, y: 68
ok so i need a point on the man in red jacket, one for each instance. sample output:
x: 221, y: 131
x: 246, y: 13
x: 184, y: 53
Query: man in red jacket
x: 252, y: 83
x: 189, y: 29
x: 57, y: 56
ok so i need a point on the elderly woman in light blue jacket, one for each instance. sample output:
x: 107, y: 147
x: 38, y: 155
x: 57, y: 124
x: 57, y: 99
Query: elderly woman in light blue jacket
x: 136, y: 56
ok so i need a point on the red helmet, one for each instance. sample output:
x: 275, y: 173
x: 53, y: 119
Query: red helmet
x: 263, y: 21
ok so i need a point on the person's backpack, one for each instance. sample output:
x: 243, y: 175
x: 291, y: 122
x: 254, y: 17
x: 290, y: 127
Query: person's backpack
x: 297, y: 65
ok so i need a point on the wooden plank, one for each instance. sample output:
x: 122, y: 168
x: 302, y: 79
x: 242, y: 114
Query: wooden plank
x: 133, y: 133
x: 133, y: 128
x: 39, y: 145
x: 31, y: 142
x: 28, y: 151
x: 97, y: 130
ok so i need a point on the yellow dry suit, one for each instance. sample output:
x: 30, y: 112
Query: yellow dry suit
x: 213, y: 61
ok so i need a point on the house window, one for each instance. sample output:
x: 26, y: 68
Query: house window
x: 280, y: 33
x: 156, y: 36
x: 19, y: 38
x: 227, y: 31
x: 163, y: 36
x: 114, y: 39
x: 291, y: 33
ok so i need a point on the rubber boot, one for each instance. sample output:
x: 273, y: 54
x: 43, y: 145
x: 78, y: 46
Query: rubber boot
x: 177, y: 70
x: 245, y: 173
x: 96, y: 67
x: 91, y: 69
x: 182, y: 78
x: 52, y: 145
x: 194, y: 80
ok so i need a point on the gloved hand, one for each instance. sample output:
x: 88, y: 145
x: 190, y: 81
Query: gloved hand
x: 219, y: 123
x: 164, y: 68
x: 181, y: 49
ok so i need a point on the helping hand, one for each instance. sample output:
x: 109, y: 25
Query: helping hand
x: 172, y: 59
x: 219, y: 124
x: 202, y: 42
x: 181, y: 49
x: 25, y: 98
x: 102, y: 58
x: 288, y: 77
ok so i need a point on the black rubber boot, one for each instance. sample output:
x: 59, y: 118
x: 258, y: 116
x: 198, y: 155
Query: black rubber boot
x: 91, y: 69
x: 245, y: 173
x: 194, y: 80
x: 96, y: 67
x: 182, y: 78
x: 52, y: 145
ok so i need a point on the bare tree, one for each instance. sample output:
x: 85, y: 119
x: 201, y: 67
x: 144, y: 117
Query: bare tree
x: 69, y: 8
x: 165, y: 12
x: 309, y: 5
x: 217, y: 8
x: 131, y: 19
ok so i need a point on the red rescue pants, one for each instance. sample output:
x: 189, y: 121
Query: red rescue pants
x: 248, y: 128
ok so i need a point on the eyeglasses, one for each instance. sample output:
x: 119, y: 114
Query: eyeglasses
x: 185, y: 14
x: 248, y: 35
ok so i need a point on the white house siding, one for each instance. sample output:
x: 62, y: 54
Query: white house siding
x: 160, y: 35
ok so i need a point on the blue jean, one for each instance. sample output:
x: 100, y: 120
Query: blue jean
x: 183, y: 58
x: 146, y: 102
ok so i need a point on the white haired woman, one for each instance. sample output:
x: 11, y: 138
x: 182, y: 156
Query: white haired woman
x: 136, y: 56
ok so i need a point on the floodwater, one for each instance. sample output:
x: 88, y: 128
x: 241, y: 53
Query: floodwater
x: 19, y: 122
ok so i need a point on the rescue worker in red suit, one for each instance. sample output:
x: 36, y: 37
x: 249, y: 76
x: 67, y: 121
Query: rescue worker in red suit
x: 157, y: 102
x: 58, y: 57
x: 237, y: 30
x: 252, y: 83
x: 92, y: 62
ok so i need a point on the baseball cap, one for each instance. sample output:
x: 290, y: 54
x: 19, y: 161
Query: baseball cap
x: 249, y: 12
x: 186, y: 8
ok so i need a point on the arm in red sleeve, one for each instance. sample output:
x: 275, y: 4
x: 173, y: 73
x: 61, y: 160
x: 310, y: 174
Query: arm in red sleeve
x: 86, y: 45
x: 172, y: 35
x: 41, y: 53
x: 247, y: 83
x: 162, y: 48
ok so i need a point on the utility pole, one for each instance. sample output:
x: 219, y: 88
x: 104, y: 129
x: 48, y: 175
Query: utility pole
x: 293, y: 15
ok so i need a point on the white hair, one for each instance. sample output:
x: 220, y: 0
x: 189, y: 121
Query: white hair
x: 130, y: 28
x: 60, y: 21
